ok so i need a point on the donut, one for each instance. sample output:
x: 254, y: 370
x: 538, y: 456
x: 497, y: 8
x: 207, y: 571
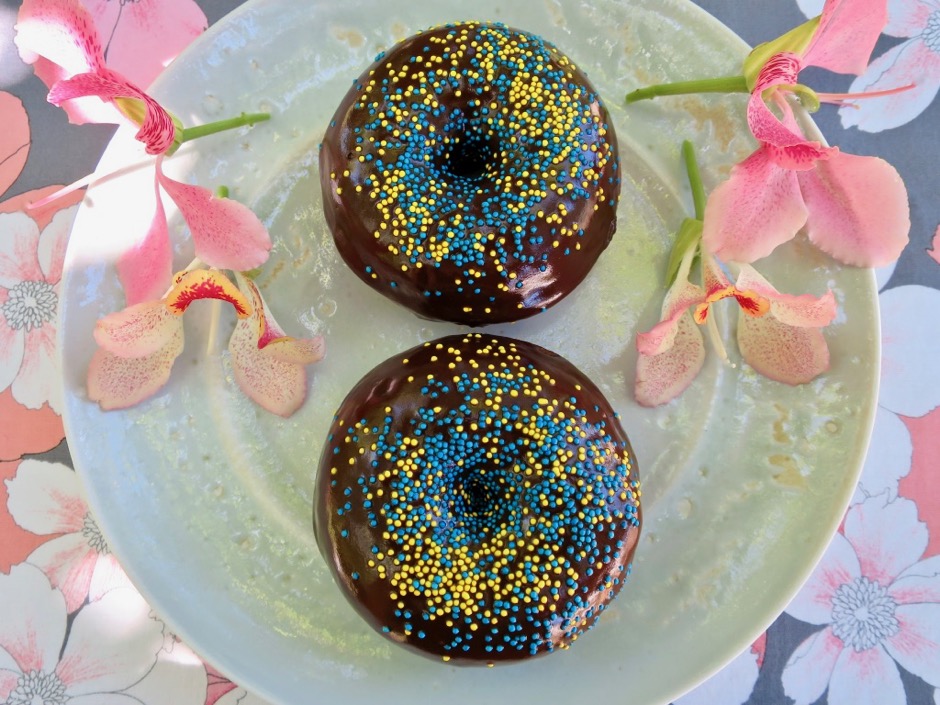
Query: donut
x: 477, y: 500
x: 471, y: 174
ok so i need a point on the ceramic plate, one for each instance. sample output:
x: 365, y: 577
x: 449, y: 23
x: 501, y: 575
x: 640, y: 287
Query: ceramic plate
x: 206, y: 499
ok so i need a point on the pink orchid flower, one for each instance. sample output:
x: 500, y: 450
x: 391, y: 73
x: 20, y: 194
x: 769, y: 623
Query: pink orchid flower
x: 269, y: 366
x: 778, y: 334
x: 138, y: 345
x: 854, y: 208
x: 59, y: 37
x: 226, y: 235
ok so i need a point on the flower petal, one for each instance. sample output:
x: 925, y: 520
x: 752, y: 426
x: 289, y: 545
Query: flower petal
x: 37, y: 381
x: 68, y: 561
x: 804, y: 310
x: 889, y: 457
x: 758, y: 208
x: 60, y: 31
x: 34, y: 618
x: 19, y: 260
x: 658, y: 339
x: 806, y: 675
x: 277, y: 386
x: 53, y: 242
x: 858, y: 210
x: 777, y: 74
x: 867, y: 677
x: 146, y: 268
x: 298, y: 351
x: 146, y: 36
x: 178, y: 678
x: 780, y: 352
x: 887, y: 536
x: 108, y: 576
x: 913, y: 64
x: 274, y: 341
x: 206, y: 284
x: 848, y: 30
x: 119, y: 382
x: 226, y: 233
x: 112, y: 644
x: 12, y: 349
x: 59, y: 38
x: 916, y: 645
x: 918, y: 584
x: 46, y: 498
x: 839, y: 565
x: 138, y: 330
x: 783, y: 137
x: 269, y: 366
x: 661, y: 377
x: 908, y: 18
x: 910, y: 317
x: 15, y: 140
x: 157, y: 131
x: 732, y: 684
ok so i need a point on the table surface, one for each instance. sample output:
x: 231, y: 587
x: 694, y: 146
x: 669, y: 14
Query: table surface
x: 865, y: 628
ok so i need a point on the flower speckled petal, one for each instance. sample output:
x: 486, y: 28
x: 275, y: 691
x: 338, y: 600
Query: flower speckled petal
x: 119, y: 382
x: 758, y: 208
x: 858, y: 209
x: 780, y: 352
x: 227, y: 234
x: 138, y: 330
x: 664, y: 376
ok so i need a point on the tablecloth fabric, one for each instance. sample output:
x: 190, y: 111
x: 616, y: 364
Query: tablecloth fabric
x: 870, y: 615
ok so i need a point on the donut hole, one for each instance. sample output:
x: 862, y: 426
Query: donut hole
x: 470, y: 157
x: 476, y: 503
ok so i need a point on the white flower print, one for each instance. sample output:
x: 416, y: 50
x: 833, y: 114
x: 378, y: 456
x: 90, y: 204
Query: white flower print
x: 914, y: 62
x: 879, y: 606
x: 732, y: 685
x: 109, y: 646
x: 909, y: 317
x: 47, y: 498
x: 30, y: 270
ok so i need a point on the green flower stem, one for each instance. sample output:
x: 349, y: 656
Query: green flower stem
x: 695, y: 179
x: 728, y: 84
x: 210, y: 128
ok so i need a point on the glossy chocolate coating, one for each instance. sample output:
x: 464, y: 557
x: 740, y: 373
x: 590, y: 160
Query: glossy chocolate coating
x: 471, y: 174
x: 478, y: 500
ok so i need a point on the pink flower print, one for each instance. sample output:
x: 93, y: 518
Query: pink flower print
x: 879, y: 605
x: 30, y: 270
x: 110, y: 645
x: 26, y: 430
x: 915, y: 62
x: 240, y: 696
x: 47, y: 499
x: 14, y: 139
x: 142, y: 37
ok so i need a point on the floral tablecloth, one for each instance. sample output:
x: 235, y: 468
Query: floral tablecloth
x: 865, y: 628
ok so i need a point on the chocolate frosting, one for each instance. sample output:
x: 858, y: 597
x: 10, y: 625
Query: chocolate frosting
x: 471, y: 174
x: 478, y: 500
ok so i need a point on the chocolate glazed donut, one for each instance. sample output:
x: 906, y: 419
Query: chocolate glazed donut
x: 477, y: 500
x: 471, y: 174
